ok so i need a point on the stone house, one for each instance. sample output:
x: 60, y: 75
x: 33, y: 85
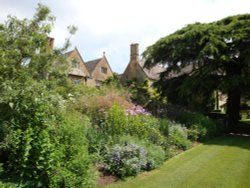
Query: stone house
x: 78, y: 71
x: 99, y: 70
x: 135, y: 69
x: 91, y: 73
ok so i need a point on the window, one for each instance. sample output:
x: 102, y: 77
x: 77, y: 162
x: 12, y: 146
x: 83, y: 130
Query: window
x: 74, y: 63
x: 98, y: 83
x: 77, y: 82
x: 104, y: 70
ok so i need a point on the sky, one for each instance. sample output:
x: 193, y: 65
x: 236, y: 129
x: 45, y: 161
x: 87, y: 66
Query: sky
x: 111, y: 26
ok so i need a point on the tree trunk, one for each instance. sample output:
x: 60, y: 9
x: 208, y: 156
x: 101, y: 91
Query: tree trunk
x: 233, y: 107
x: 234, y: 94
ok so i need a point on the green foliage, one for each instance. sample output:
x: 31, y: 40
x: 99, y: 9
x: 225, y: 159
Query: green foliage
x: 156, y: 154
x: 144, y: 94
x: 139, y: 91
x: 74, y: 169
x: 79, y: 90
x: 206, y: 127
x: 164, y: 127
x: 178, y: 136
x: 116, y: 120
x: 40, y: 144
x: 28, y: 144
x: 215, y: 56
x: 96, y: 102
x: 193, y: 133
x: 145, y: 127
x: 99, y: 143
x: 126, y: 160
x: 25, y: 49
x: 117, y: 123
x: 133, y: 155
x: 200, y: 167
x: 113, y: 81
x: 178, y: 94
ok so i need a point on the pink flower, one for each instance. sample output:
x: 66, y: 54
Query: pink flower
x: 137, y: 110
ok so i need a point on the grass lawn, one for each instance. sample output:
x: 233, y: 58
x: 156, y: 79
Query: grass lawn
x: 223, y: 162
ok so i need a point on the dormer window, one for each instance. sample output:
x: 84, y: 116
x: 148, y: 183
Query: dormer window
x: 104, y: 70
x: 75, y: 64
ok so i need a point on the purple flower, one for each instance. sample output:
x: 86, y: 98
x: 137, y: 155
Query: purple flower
x: 137, y: 110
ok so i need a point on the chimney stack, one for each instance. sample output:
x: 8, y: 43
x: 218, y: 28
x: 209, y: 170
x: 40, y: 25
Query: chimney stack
x: 134, y: 52
x: 51, y: 42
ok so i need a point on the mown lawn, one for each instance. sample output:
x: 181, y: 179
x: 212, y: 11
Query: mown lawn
x: 223, y: 162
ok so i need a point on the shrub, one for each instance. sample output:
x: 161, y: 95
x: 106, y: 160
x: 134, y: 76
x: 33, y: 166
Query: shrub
x: 126, y: 160
x: 206, y: 127
x: 103, y: 97
x: 145, y: 126
x: 193, y: 133
x: 28, y: 144
x: 135, y: 127
x: 99, y: 143
x: 178, y: 136
x: 40, y: 145
x: 144, y: 94
x: 164, y: 126
x: 97, y: 103
x: 156, y: 155
x: 74, y: 169
x: 116, y: 120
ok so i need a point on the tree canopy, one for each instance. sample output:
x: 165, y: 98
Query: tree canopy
x: 40, y: 144
x: 216, y: 54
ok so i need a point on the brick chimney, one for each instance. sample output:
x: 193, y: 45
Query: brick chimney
x: 134, y: 52
x: 51, y: 42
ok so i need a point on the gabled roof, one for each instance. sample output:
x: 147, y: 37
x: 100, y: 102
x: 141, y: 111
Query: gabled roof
x: 67, y: 54
x: 75, y: 71
x: 154, y: 72
x: 92, y: 64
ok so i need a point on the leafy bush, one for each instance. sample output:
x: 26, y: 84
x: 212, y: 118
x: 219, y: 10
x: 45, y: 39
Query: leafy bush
x: 144, y: 94
x: 40, y: 145
x: 116, y: 120
x: 193, y: 133
x: 143, y: 126
x: 97, y: 102
x: 206, y: 127
x: 99, y: 143
x: 28, y: 144
x: 126, y: 160
x: 117, y: 125
x: 178, y: 136
x: 156, y: 155
x: 164, y: 127
x: 146, y: 127
x: 133, y: 155
x: 74, y: 169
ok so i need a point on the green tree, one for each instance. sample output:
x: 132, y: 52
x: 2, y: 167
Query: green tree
x: 40, y: 144
x: 142, y: 93
x: 25, y: 48
x: 217, y: 54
